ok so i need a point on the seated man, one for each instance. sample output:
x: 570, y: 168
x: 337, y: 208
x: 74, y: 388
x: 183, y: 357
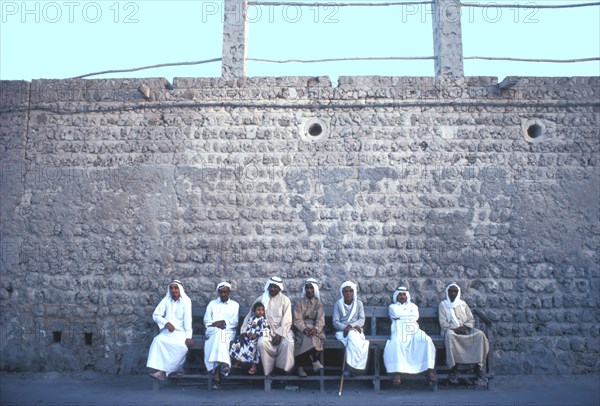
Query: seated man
x: 174, y: 318
x: 309, y: 320
x: 276, y: 349
x: 464, y: 343
x: 409, y: 350
x: 221, y: 319
x: 348, y: 320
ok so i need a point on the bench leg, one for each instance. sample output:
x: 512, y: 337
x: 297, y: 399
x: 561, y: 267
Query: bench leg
x: 376, y: 366
x: 155, y: 385
x: 322, y: 373
x: 268, y: 381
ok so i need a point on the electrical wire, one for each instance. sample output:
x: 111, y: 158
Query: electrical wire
x: 491, y: 58
x: 336, y: 4
x: 160, y: 65
x: 529, y: 5
x: 374, y: 58
x: 410, y: 3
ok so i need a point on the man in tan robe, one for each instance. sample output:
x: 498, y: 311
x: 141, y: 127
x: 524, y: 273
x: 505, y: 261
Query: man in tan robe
x: 309, y: 320
x: 276, y: 349
x: 464, y: 343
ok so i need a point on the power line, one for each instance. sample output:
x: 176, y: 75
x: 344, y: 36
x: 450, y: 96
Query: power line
x: 528, y: 5
x: 161, y: 65
x: 332, y: 4
x: 374, y: 58
x: 410, y: 3
x: 491, y: 58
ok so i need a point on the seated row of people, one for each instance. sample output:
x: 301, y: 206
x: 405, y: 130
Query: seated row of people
x: 275, y: 336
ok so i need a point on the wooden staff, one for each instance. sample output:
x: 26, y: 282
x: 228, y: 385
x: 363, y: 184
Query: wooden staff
x: 343, y: 367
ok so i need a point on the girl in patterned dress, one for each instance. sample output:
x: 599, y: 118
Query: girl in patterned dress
x: 244, y: 348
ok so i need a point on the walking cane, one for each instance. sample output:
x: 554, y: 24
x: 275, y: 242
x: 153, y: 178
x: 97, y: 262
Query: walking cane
x: 343, y: 367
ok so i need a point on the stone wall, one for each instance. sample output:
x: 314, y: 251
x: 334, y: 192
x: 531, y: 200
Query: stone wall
x: 108, y: 192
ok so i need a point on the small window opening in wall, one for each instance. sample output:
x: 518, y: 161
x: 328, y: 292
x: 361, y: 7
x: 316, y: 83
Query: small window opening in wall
x: 535, y: 131
x: 315, y: 129
x: 88, y: 338
x: 56, y: 336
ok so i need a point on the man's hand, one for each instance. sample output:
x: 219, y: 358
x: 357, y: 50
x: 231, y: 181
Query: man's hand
x: 347, y: 330
x: 358, y: 329
x: 461, y: 330
x: 189, y: 342
x: 310, y: 331
x: 170, y: 327
x: 220, y: 324
x: 276, y: 339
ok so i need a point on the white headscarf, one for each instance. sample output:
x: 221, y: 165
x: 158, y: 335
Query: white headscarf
x: 182, y: 298
x: 452, y: 305
x: 223, y: 284
x: 353, y: 305
x: 181, y: 291
x: 395, y: 295
x: 273, y: 280
x: 315, y: 285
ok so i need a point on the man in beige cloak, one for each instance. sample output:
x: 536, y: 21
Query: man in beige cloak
x: 276, y: 349
x: 464, y: 343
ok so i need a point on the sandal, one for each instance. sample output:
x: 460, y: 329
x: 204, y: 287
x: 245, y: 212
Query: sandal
x: 432, y: 376
x: 159, y: 376
x: 252, y: 370
x: 453, y: 378
x: 397, y: 379
x: 216, y: 385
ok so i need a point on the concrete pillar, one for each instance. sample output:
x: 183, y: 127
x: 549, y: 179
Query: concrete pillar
x: 235, y: 39
x: 447, y: 38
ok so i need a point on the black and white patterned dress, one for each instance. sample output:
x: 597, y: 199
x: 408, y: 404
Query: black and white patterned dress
x: 244, y: 349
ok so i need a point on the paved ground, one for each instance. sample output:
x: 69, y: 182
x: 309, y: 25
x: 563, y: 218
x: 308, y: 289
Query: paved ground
x: 92, y: 389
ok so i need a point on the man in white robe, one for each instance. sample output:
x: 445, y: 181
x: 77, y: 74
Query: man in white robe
x: 276, y: 349
x: 348, y: 320
x: 174, y: 318
x: 464, y: 343
x: 220, y: 319
x: 409, y: 350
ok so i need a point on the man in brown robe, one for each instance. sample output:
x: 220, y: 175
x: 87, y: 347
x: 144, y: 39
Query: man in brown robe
x: 309, y: 320
x: 464, y: 343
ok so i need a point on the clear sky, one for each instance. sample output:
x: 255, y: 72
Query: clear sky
x: 65, y: 38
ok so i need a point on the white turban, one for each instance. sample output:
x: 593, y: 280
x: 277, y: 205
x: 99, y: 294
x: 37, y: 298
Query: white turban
x: 452, y: 305
x: 401, y: 289
x: 315, y: 284
x: 353, y: 305
x: 273, y: 280
x: 181, y: 291
x: 223, y: 284
x: 457, y: 300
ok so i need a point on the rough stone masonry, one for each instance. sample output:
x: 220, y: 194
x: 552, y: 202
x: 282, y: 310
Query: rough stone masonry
x: 108, y: 193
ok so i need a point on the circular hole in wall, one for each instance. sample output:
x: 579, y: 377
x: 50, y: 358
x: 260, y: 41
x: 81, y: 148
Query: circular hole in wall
x: 315, y: 129
x: 535, y: 131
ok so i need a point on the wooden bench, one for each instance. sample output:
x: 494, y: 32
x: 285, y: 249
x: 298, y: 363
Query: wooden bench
x: 377, y: 330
